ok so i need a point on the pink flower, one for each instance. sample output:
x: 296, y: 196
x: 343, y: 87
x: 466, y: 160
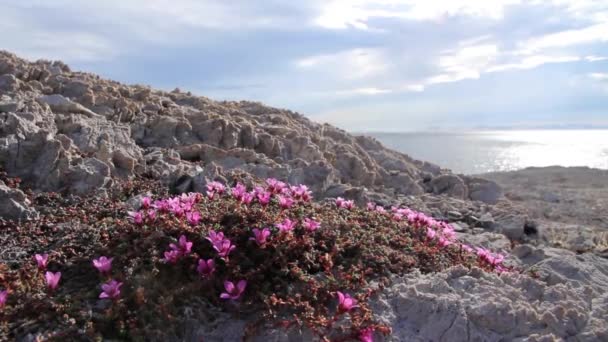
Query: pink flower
x: 3, y: 297
x: 103, y: 264
x: 397, y: 217
x: 345, y: 302
x: 366, y: 335
x: 211, y: 195
x: 172, y: 256
x: 224, y: 248
x: 447, y: 230
x: 246, y: 198
x: 311, y: 225
x: 205, y: 268
x: 430, y: 233
x: 483, y: 253
x: 189, y: 199
x: 443, y: 242
x: 339, y: 202
x: 111, y: 290
x: 260, y: 236
x: 342, y: 203
x: 193, y: 217
x: 348, y: 204
x: 286, y: 226
x: 136, y: 216
x: 467, y: 248
x: 275, y: 186
x: 215, y: 188
x: 301, y: 193
x: 233, y: 292
x: 42, y: 261
x: 264, y: 197
x: 285, y: 202
x: 52, y: 279
x: 215, y: 238
x: 497, y: 260
x: 238, y: 191
x: 161, y: 205
x: 493, y: 259
x: 183, y: 247
x: 177, y: 210
x: 371, y: 206
x: 146, y: 202
x: 152, y: 214
x: 380, y: 209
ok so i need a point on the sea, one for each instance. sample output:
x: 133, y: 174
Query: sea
x: 475, y: 152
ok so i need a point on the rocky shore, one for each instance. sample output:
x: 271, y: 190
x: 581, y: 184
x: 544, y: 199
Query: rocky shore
x: 76, y: 134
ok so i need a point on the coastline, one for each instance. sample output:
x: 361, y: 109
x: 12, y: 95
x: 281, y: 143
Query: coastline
x: 569, y: 203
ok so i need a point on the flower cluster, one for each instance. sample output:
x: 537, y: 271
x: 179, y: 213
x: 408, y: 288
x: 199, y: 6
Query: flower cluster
x: 178, y: 251
x: 494, y: 259
x: 440, y: 233
x: 345, y: 204
x: 266, y: 246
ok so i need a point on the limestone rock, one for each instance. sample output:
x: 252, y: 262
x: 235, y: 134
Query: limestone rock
x: 14, y: 204
x: 450, y: 185
x: 484, y: 190
x: 60, y: 104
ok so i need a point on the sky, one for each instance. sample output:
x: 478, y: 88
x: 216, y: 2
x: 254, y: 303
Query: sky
x: 385, y: 65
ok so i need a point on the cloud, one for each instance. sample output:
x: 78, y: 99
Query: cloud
x: 591, y: 34
x: 465, y: 63
x: 364, y: 91
x: 533, y: 62
x: 400, y: 60
x: 595, y: 58
x: 343, y: 14
x: 350, y: 64
x: 599, y: 76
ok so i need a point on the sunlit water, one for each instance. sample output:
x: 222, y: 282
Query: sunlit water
x: 487, y: 151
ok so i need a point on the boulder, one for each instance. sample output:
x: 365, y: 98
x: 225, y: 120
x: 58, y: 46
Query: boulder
x: 14, y: 205
x: 60, y: 104
x: 450, y: 185
x: 484, y: 190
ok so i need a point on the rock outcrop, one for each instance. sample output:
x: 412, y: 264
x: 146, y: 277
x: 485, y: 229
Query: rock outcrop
x: 71, y: 131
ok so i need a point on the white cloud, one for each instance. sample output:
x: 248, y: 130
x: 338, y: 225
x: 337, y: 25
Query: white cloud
x: 364, y: 91
x: 342, y: 14
x: 465, y: 63
x: 533, y: 62
x: 599, y: 76
x: 350, y: 64
x: 591, y: 34
x: 595, y: 58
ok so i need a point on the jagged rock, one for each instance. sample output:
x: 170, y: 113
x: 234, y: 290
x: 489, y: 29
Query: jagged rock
x: 487, y: 221
x: 14, y: 204
x: 8, y: 105
x: 92, y: 113
x: 471, y: 305
x: 454, y: 215
x: 450, y: 185
x: 60, y: 104
x: 484, y: 190
x: 511, y: 225
x: 8, y: 83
